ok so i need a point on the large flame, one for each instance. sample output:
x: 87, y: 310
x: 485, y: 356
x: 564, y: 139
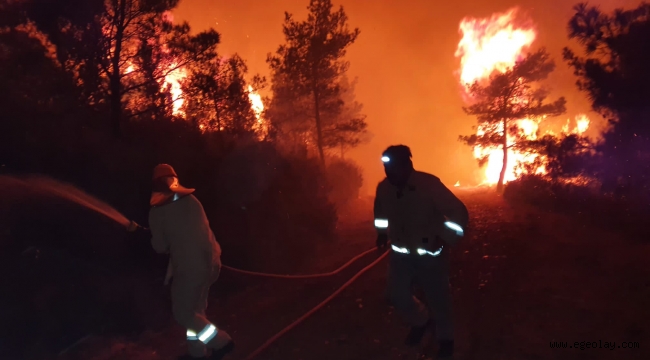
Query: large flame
x: 491, y: 44
x: 495, y: 44
x: 258, y: 107
x: 173, y: 80
x: 175, y: 75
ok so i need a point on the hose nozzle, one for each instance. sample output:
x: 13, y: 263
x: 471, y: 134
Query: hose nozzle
x: 133, y: 226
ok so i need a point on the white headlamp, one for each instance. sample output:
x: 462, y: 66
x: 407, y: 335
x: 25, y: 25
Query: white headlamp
x: 385, y: 159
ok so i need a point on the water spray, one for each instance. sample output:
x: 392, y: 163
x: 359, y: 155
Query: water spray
x: 45, y: 186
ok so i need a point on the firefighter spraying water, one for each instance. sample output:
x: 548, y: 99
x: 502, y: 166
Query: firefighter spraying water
x: 180, y: 227
x: 422, y: 218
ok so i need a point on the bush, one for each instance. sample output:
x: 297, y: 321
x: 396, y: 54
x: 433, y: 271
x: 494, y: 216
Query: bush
x: 532, y: 189
x: 273, y: 208
x: 345, y: 177
x: 584, y: 201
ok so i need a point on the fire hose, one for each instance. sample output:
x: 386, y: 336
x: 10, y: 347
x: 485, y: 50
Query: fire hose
x: 289, y: 327
x: 308, y: 276
x: 275, y: 337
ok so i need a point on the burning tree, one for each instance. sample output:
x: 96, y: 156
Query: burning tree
x: 130, y: 55
x: 218, y: 98
x: 565, y: 157
x: 307, y: 73
x: 507, y: 100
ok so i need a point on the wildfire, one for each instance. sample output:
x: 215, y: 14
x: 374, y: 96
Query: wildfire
x: 256, y: 103
x: 258, y: 107
x: 173, y: 80
x: 581, y: 125
x: 495, y: 44
x: 491, y: 44
x: 172, y: 83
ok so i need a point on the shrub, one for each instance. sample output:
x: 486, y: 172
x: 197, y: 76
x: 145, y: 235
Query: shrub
x: 585, y: 201
x: 532, y: 189
x: 345, y: 177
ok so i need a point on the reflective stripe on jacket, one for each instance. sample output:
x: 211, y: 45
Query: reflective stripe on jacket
x: 414, y: 216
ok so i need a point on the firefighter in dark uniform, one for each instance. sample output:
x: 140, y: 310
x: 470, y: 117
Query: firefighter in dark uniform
x: 421, y: 217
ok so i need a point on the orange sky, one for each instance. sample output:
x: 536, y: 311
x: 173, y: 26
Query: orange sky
x: 404, y: 60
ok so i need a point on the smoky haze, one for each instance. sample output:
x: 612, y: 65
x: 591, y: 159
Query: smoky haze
x: 404, y: 60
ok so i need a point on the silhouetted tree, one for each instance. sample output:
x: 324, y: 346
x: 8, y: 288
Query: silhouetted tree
x: 218, y: 96
x: 129, y: 50
x: 562, y: 157
x: 348, y: 128
x: 310, y: 66
x: 615, y: 74
x: 508, y: 97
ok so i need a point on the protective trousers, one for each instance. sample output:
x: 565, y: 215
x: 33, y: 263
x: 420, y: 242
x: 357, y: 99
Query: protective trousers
x: 189, y: 301
x: 431, y: 274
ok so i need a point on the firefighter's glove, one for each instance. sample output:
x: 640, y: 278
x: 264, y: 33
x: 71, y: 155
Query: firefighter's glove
x: 382, y: 240
x: 132, y: 227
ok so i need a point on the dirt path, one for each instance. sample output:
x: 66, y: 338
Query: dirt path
x: 521, y: 280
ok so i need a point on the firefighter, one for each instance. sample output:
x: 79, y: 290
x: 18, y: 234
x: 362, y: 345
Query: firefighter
x: 180, y: 227
x: 422, y: 218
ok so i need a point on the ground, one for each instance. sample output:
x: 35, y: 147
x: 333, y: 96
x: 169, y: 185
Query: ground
x: 522, y: 279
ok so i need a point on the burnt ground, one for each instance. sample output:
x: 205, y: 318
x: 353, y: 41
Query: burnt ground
x: 521, y: 280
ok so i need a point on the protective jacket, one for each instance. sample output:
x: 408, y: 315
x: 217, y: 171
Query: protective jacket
x: 415, y: 216
x: 181, y: 228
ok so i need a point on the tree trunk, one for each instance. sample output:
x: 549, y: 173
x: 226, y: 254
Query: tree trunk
x: 502, y: 175
x: 116, y: 76
x: 319, y: 130
x: 217, y: 100
x: 217, y: 112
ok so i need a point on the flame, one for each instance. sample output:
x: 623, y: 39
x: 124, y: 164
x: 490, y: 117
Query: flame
x: 173, y: 80
x: 495, y: 44
x: 488, y: 45
x: 491, y: 44
x: 258, y: 107
x: 176, y: 74
x: 256, y: 103
x: 457, y: 184
x: 582, y: 124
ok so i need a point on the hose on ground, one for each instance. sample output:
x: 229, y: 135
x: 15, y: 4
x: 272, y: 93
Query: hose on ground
x: 308, y: 276
x: 275, y: 337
